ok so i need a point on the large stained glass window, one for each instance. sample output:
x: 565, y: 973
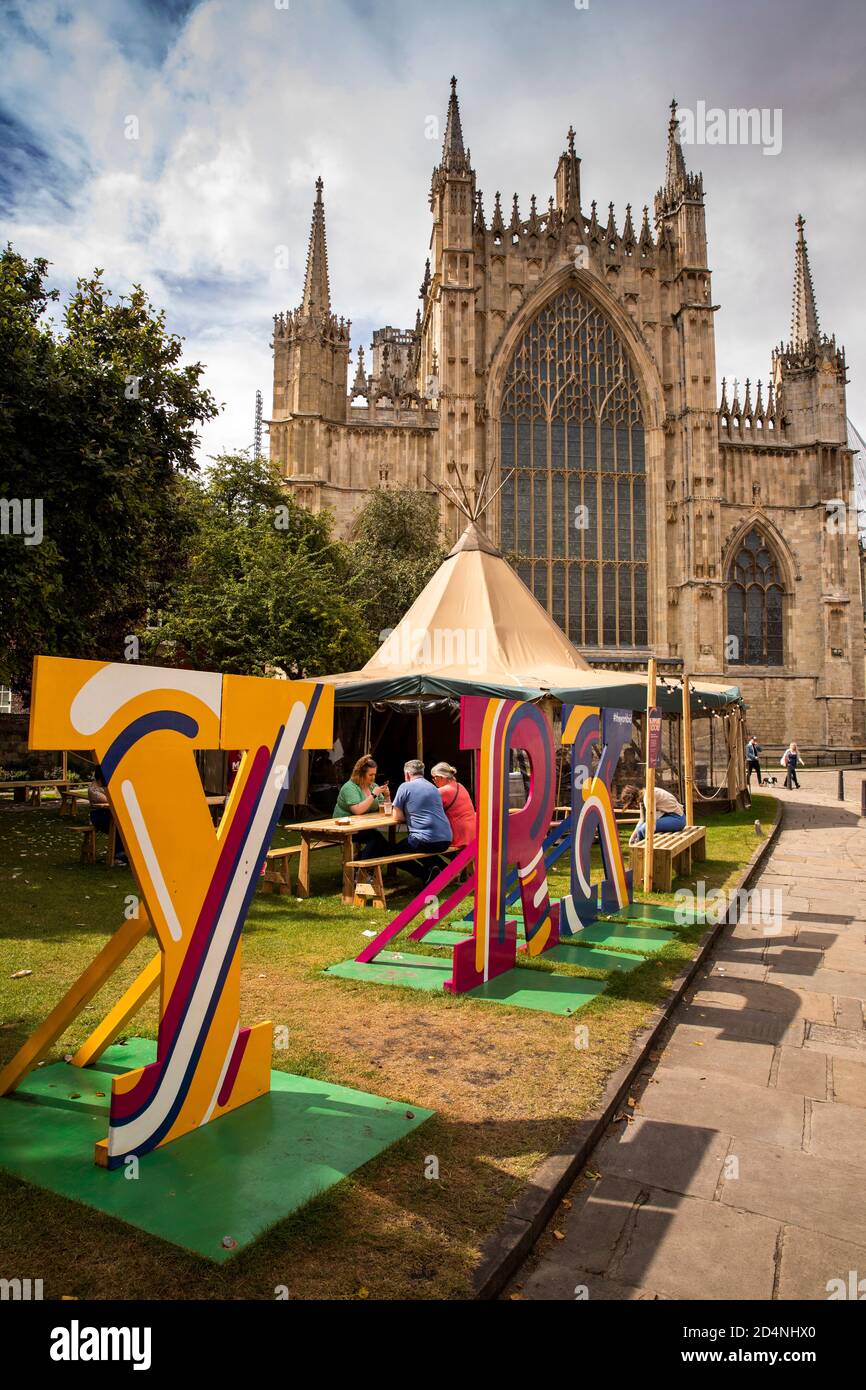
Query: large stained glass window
x: 574, y: 509
x: 755, y: 593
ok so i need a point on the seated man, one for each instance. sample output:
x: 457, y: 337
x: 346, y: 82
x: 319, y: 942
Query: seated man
x: 418, y: 803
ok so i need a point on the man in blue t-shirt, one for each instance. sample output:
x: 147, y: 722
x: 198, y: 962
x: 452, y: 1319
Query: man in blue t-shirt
x: 418, y: 803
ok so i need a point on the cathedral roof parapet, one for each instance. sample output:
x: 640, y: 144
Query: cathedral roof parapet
x: 743, y: 422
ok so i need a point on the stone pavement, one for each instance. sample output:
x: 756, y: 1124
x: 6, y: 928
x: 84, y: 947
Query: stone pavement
x: 743, y: 1172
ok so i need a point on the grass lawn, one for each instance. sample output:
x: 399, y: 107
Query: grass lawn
x: 507, y: 1085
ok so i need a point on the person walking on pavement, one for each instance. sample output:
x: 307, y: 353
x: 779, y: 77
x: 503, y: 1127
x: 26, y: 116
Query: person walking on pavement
x: 791, y: 760
x: 753, y: 751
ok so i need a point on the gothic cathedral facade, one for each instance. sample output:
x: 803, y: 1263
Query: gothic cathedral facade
x: 569, y: 367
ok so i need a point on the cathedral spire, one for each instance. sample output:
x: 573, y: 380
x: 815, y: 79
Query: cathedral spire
x: 454, y: 157
x: 675, y: 169
x: 317, y: 292
x: 567, y: 180
x: 804, y: 318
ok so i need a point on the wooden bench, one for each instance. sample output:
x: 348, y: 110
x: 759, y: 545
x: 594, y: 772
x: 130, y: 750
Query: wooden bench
x: 672, y: 855
x: 88, y: 842
x: 279, y: 879
x: 377, y: 895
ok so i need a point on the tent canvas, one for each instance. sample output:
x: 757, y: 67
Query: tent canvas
x: 477, y: 629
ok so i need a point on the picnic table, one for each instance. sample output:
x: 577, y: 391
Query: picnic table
x: 33, y: 787
x: 333, y: 832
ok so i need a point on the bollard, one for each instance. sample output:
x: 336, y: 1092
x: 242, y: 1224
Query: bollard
x: 841, y: 788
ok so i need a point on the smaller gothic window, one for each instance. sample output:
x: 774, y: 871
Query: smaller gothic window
x: 755, y: 605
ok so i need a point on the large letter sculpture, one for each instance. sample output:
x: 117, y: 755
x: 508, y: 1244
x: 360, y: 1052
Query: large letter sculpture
x: 495, y: 728
x: 592, y: 813
x: 144, y: 724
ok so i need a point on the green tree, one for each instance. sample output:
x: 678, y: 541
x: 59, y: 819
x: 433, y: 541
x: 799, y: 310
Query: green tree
x: 98, y: 424
x: 264, y: 584
x: 396, y: 548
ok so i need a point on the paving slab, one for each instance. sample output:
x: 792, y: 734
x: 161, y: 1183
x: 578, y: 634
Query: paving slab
x: 849, y: 1081
x: 774, y: 998
x: 848, y: 1011
x: 810, y: 1261
x: 838, y: 1131
x: 558, y: 1279
x: 847, y: 983
x: 802, y: 1073
x: 713, y: 1101
x: 693, y: 1249
x: 801, y: 1189
x: 749, y: 1025
x: 838, y: 1042
x: 597, y: 1221
x: 676, y: 1157
x: 691, y: 1047
x: 738, y: 970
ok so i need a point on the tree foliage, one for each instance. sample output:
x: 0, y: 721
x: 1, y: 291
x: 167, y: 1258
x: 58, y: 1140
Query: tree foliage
x: 98, y: 422
x: 264, y: 584
x: 396, y: 549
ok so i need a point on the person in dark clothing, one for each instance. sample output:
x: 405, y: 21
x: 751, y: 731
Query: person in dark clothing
x: 791, y: 760
x: 753, y: 750
x: 100, y: 814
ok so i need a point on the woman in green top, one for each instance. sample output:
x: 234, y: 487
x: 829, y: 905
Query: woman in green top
x: 358, y: 797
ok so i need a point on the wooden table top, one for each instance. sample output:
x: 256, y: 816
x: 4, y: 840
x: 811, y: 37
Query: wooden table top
x: 373, y: 820
x: 33, y: 782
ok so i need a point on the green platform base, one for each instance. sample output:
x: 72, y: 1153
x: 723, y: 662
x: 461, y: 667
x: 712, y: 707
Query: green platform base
x: 570, y: 953
x: 523, y: 988
x: 644, y: 940
x: 234, y: 1177
x: 654, y: 915
x: 441, y: 936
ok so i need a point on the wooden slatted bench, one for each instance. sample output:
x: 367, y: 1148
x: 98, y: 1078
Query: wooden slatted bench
x: 673, y: 852
x: 279, y: 879
x: 378, y: 888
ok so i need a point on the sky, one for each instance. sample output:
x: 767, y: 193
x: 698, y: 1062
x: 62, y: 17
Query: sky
x: 176, y: 144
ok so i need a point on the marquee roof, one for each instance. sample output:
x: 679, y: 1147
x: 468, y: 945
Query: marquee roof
x: 477, y: 629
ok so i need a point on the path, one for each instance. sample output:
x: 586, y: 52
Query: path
x: 743, y: 1171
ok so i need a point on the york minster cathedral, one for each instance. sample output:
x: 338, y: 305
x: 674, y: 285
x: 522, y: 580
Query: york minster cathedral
x: 568, y: 357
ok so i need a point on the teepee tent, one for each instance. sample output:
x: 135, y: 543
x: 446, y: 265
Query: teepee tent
x: 477, y: 629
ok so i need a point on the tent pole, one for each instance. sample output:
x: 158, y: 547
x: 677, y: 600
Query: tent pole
x: 419, y: 736
x: 688, y: 753
x: 649, y: 795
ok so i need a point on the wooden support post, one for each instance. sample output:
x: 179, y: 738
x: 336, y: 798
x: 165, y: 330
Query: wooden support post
x: 115, y: 950
x: 688, y: 754
x: 649, y: 794
x: 419, y: 736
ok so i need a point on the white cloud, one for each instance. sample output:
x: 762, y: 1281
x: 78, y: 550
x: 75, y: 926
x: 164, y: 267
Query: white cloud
x: 242, y: 106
